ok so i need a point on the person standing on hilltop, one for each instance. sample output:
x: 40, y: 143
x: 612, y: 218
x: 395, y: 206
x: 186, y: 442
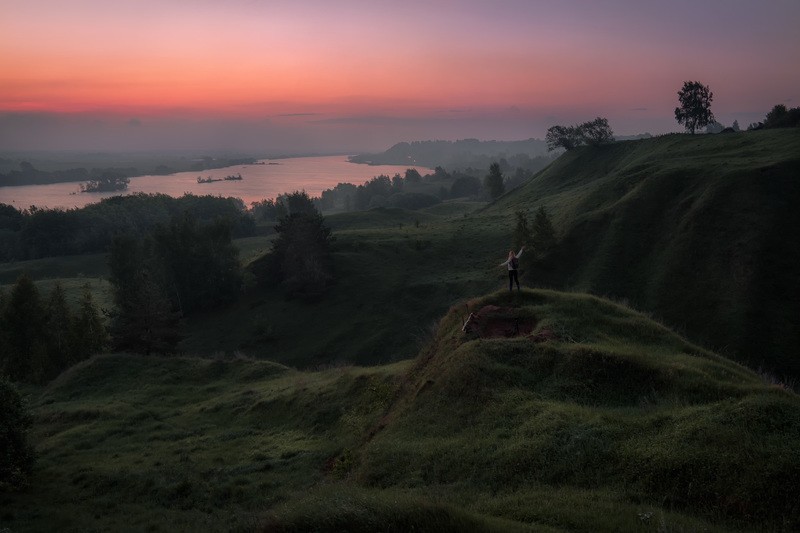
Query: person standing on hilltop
x: 513, y: 264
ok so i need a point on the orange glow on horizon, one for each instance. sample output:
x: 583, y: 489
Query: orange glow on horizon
x: 250, y: 61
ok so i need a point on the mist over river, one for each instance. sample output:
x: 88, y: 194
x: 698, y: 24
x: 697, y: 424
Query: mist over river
x: 259, y: 181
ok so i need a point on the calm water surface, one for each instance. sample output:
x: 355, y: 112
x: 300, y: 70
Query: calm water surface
x: 312, y: 174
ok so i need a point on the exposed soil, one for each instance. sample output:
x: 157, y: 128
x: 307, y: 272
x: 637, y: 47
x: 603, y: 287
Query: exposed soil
x: 492, y: 321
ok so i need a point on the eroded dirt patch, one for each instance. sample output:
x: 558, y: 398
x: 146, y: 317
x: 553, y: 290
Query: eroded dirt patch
x: 492, y: 321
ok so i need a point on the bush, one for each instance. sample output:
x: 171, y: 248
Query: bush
x: 16, y: 456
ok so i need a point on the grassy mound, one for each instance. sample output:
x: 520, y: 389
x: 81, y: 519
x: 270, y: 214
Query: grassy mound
x: 615, y: 404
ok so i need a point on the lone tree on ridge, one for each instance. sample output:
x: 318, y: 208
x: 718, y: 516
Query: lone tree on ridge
x: 695, y: 109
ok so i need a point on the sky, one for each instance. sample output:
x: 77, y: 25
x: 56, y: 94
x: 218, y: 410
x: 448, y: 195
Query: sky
x: 302, y: 76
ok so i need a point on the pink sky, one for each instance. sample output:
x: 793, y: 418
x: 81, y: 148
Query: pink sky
x: 361, y: 75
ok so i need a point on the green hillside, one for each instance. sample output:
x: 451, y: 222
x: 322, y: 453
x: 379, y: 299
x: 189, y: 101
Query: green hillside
x: 699, y: 230
x: 703, y: 231
x: 596, y: 418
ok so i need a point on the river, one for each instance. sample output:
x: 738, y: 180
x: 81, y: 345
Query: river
x: 274, y: 177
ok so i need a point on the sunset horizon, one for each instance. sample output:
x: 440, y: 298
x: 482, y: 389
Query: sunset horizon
x: 307, y: 77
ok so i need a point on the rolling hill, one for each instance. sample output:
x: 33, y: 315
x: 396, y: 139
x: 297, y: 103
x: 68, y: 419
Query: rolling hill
x: 560, y: 412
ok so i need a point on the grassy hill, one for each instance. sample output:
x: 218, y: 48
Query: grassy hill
x: 597, y: 419
x: 702, y: 230
x: 699, y: 230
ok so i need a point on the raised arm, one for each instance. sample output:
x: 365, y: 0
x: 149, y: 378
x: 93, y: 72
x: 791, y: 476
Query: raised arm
x: 519, y: 254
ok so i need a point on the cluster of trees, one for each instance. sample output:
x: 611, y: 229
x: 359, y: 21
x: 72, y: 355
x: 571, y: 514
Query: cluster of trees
x: 594, y: 133
x: 412, y: 191
x: 694, y: 112
x: 539, y: 237
x: 300, y: 260
x: 40, y: 338
x: 779, y: 117
x: 409, y: 192
x: 34, y: 232
x: 177, y: 269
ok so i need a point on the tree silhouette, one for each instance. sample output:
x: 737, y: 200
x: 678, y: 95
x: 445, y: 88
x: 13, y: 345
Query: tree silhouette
x: 695, y: 109
x: 24, y: 318
x: 493, y: 182
x: 300, y: 258
x: 596, y: 132
x: 566, y: 137
x: 57, y: 333
x: 200, y: 263
x: 89, y: 332
x: 144, y: 320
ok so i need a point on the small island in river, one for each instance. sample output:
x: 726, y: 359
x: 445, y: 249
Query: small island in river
x: 106, y: 184
x: 209, y: 179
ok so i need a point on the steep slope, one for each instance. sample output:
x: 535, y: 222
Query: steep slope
x: 702, y: 230
x: 596, y: 398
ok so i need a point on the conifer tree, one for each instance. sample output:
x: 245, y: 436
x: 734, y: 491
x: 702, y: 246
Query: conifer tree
x: 88, y: 332
x: 144, y: 320
x: 493, y: 182
x: 24, y: 318
x: 57, y: 331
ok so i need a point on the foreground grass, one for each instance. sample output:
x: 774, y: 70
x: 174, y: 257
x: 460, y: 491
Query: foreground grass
x: 132, y: 442
x: 611, y: 423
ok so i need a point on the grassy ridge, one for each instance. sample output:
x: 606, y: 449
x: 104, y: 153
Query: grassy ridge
x: 617, y: 424
x: 701, y: 230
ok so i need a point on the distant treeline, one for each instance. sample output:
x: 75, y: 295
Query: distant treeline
x: 28, y: 175
x: 410, y: 191
x: 34, y: 232
x: 458, y: 154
